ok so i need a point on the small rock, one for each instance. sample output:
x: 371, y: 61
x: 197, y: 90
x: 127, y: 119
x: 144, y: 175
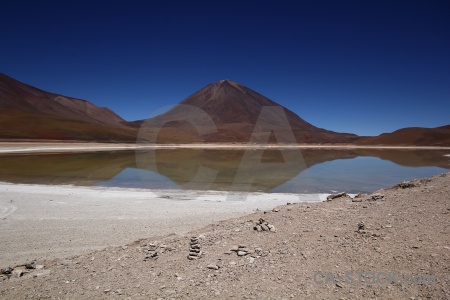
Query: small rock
x: 213, y: 267
x: 361, y: 226
x: 405, y: 185
x: 241, y: 253
x: 153, y: 255
x: 258, y: 228
x: 30, y: 266
x: 377, y: 196
x: 17, y: 273
x: 6, y: 271
x: 338, y: 195
x: 264, y: 227
x: 275, y: 210
x: 251, y: 260
x: 234, y: 248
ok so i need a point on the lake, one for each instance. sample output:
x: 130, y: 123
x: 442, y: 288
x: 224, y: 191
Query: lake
x: 281, y: 171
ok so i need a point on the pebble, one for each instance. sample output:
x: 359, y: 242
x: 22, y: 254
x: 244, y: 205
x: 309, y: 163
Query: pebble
x: 6, y: 271
x: 406, y: 184
x: 338, y: 195
x: 361, y: 226
x: 17, y: 273
x: 213, y: 267
x: 30, y: 266
x: 263, y: 225
x: 241, y: 253
x: 377, y: 196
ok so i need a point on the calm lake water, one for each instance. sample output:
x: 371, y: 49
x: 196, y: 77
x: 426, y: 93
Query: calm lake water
x: 281, y: 171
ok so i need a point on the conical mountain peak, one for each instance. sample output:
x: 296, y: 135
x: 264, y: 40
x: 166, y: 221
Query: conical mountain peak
x: 235, y: 110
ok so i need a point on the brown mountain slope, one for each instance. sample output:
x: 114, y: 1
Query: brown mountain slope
x: 416, y: 136
x: 234, y: 110
x: 30, y: 113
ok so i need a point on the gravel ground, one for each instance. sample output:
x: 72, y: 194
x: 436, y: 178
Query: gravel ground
x: 391, y: 245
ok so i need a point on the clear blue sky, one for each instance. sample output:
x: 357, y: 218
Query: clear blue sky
x: 364, y: 67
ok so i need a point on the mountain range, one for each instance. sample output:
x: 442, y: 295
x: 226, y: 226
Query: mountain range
x: 27, y: 112
x: 220, y: 112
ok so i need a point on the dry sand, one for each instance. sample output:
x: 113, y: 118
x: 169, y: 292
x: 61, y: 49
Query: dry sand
x: 313, y: 253
x: 43, y: 221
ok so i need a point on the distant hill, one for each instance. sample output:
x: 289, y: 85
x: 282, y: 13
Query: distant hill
x: 27, y: 112
x: 235, y: 110
x: 30, y: 113
x: 416, y: 136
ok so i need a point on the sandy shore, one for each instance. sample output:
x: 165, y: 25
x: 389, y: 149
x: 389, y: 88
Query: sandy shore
x: 393, y: 244
x: 40, y: 221
x: 53, y: 147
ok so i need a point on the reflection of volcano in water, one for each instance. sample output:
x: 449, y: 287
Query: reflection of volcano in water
x: 251, y: 170
x: 262, y: 170
x: 258, y: 170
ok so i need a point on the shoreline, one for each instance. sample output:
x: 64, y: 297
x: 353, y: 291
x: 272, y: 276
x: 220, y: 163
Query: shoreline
x: 99, y: 213
x: 74, y: 147
x: 401, y: 230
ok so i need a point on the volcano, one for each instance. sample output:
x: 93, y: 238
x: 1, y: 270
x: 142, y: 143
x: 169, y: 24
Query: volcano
x: 235, y: 112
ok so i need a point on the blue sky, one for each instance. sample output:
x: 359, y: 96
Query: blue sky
x: 365, y: 67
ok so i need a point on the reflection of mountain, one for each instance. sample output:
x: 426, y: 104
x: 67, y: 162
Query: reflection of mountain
x: 74, y: 168
x: 403, y: 157
x: 410, y: 158
x: 218, y: 168
x: 258, y: 170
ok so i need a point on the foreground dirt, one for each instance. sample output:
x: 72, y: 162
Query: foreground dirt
x: 390, y: 246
